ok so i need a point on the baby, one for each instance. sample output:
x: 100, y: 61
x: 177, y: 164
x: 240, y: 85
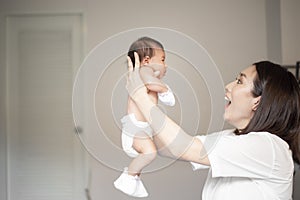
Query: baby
x: 136, y: 132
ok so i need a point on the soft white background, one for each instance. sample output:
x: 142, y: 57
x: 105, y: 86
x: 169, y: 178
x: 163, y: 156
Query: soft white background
x: 236, y: 33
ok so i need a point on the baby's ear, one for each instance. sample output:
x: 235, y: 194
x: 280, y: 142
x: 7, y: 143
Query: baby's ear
x: 145, y: 60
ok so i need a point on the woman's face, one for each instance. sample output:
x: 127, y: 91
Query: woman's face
x: 240, y: 102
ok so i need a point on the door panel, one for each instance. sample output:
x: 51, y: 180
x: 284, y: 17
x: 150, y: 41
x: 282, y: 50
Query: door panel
x: 45, y: 159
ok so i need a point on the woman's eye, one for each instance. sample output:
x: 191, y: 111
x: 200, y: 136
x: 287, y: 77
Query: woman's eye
x: 238, y: 81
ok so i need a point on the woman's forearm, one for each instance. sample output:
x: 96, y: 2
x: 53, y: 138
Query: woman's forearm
x: 171, y: 138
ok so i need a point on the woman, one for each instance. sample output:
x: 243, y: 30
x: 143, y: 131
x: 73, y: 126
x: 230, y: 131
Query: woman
x: 254, y: 161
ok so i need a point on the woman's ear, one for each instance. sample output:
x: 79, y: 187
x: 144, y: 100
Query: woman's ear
x: 145, y: 60
x: 256, y: 102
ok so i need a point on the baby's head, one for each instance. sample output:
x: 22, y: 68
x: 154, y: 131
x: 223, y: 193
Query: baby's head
x: 150, y: 51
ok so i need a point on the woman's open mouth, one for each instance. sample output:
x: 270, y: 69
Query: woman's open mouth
x: 227, y: 102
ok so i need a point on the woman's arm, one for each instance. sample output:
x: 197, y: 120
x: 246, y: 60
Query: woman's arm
x: 169, y: 134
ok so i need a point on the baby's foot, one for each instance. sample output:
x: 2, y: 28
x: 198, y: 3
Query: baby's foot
x: 130, y: 185
x: 140, y: 189
x: 126, y: 183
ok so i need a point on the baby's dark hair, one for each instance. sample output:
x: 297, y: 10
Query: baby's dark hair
x: 144, y: 46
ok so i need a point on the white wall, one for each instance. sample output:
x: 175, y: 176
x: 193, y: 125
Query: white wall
x: 290, y: 17
x: 234, y: 36
x: 273, y: 26
x: 234, y: 32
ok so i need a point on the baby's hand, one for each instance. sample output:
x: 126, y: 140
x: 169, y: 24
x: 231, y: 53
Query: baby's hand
x: 158, y: 69
x: 156, y: 73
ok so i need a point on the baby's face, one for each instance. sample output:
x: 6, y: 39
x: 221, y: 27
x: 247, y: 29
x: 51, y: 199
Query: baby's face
x: 159, y: 59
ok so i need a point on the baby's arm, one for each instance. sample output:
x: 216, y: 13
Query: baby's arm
x: 165, y: 94
x: 151, y: 81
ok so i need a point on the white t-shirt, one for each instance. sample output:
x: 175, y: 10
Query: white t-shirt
x: 257, y: 165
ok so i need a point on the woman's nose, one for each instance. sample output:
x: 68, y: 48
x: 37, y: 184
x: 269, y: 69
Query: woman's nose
x: 228, y: 87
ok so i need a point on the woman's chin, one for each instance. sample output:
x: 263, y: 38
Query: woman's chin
x: 227, y: 119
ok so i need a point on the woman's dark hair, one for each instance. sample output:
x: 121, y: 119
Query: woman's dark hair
x: 144, y: 46
x: 278, y: 111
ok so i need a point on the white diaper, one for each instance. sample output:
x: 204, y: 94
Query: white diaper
x: 130, y: 127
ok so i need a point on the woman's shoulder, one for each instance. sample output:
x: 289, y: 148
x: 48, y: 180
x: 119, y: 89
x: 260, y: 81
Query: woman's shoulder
x: 226, y: 132
x: 274, y: 139
x: 262, y: 138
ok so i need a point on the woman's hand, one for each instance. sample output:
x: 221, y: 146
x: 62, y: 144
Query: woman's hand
x: 135, y: 86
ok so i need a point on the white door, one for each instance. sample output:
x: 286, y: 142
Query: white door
x: 45, y: 159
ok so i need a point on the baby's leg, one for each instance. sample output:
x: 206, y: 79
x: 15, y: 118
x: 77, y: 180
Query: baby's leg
x: 146, y: 148
x: 129, y: 182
